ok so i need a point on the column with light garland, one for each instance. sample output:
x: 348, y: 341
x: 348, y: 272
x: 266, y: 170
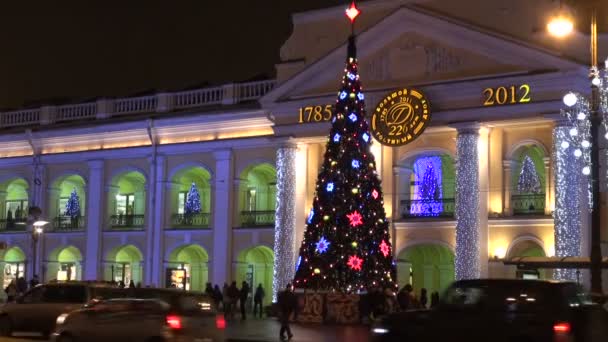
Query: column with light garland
x: 466, y: 262
x: 347, y: 245
x: 567, y: 215
x: 285, y: 219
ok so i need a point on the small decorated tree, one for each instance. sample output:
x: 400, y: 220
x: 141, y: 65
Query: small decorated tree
x: 529, y: 181
x: 72, y: 209
x: 193, y: 202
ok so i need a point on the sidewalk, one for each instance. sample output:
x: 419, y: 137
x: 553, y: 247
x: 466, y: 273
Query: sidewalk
x: 268, y: 330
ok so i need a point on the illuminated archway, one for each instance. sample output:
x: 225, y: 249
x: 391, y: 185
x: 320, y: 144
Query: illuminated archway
x: 124, y: 264
x: 255, y: 266
x: 59, y: 194
x: 182, y: 180
x: 257, y: 195
x: 14, y: 265
x: 14, y: 204
x: 526, y: 202
x: 127, y: 200
x: 64, y: 263
x: 429, y: 266
x: 188, y: 268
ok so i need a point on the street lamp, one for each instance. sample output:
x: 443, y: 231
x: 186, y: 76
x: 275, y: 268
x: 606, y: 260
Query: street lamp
x: 587, y: 132
x: 36, y: 232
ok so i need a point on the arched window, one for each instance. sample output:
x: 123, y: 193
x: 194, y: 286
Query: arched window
x: 528, y: 181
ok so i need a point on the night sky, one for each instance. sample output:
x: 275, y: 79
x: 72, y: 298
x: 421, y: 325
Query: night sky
x: 74, y: 51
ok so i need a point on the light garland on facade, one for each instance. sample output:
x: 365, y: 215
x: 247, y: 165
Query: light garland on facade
x: 567, y: 215
x: 285, y: 220
x: 467, y: 206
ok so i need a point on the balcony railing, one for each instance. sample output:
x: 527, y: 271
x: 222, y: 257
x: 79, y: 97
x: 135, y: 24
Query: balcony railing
x: 530, y: 204
x: 155, y: 103
x: 428, y: 208
x: 134, y: 222
x: 67, y: 223
x: 190, y: 221
x: 257, y: 218
x: 12, y: 225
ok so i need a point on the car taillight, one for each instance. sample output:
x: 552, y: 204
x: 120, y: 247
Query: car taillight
x: 220, y: 322
x: 561, y: 328
x: 174, y: 322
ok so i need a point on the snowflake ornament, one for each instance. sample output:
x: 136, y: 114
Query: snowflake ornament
x: 355, y: 263
x: 355, y: 218
x: 384, y: 248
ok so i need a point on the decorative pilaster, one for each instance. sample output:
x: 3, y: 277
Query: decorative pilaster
x: 3, y: 204
x: 285, y: 220
x: 567, y: 214
x: 95, y: 219
x: 39, y: 173
x: 222, y: 217
x: 507, y: 167
x: 301, y: 193
x: 156, y: 219
x: 547, y: 164
x: 467, y: 264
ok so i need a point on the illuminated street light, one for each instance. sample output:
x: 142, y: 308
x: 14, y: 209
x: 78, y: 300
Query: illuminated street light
x: 561, y: 24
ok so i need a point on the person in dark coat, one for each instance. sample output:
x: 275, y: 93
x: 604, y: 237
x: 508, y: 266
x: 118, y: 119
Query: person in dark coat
x: 131, y: 284
x: 287, y: 305
x: 423, y: 298
x: 258, y: 298
x: 218, y: 297
x: 404, y: 297
x: 243, y: 297
x: 232, y: 300
x: 21, y: 285
x: 434, y: 299
x: 209, y: 290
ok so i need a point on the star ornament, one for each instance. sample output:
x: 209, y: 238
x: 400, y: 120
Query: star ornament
x: 322, y: 245
x: 355, y: 263
x: 355, y: 218
x: 384, y: 248
x: 352, y: 12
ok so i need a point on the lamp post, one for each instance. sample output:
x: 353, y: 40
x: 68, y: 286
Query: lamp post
x: 560, y: 26
x: 36, y: 232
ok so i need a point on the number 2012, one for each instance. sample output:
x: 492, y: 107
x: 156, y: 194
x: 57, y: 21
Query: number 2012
x: 507, y: 95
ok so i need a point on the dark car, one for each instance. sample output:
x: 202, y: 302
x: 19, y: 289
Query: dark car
x: 143, y: 315
x: 38, y: 308
x: 502, y: 310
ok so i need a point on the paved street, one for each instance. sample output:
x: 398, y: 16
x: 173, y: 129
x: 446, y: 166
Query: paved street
x: 268, y: 330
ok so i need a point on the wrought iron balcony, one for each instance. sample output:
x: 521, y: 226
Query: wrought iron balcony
x: 262, y: 218
x: 443, y: 207
x: 134, y: 222
x: 529, y: 204
x: 13, y: 225
x: 193, y: 221
x: 67, y: 223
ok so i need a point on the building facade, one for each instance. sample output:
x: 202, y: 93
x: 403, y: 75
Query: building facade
x: 494, y: 91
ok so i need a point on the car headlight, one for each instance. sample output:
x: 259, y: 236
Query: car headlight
x: 380, y: 330
x: 61, y: 319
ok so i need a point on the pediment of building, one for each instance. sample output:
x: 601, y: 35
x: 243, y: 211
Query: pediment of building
x: 411, y: 48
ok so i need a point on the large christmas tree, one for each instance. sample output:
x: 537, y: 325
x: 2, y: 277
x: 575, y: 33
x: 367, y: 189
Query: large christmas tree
x: 347, y: 246
x: 193, y: 202
x: 72, y: 206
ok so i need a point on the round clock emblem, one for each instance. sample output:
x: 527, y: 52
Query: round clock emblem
x: 400, y: 117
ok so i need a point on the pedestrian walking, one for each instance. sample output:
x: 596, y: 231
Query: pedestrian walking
x: 21, y: 285
x: 233, y: 299
x: 258, y: 298
x: 11, y: 291
x: 287, y: 305
x: 131, y: 284
x: 434, y: 299
x: 423, y: 298
x: 243, y: 297
x: 209, y: 290
x: 218, y: 297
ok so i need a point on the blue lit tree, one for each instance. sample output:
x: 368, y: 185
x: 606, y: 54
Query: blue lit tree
x: 72, y: 209
x: 429, y: 189
x: 193, y: 202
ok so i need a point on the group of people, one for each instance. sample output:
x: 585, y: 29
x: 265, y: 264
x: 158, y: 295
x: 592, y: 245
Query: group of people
x: 231, y: 297
x: 18, y: 286
x: 384, y: 301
